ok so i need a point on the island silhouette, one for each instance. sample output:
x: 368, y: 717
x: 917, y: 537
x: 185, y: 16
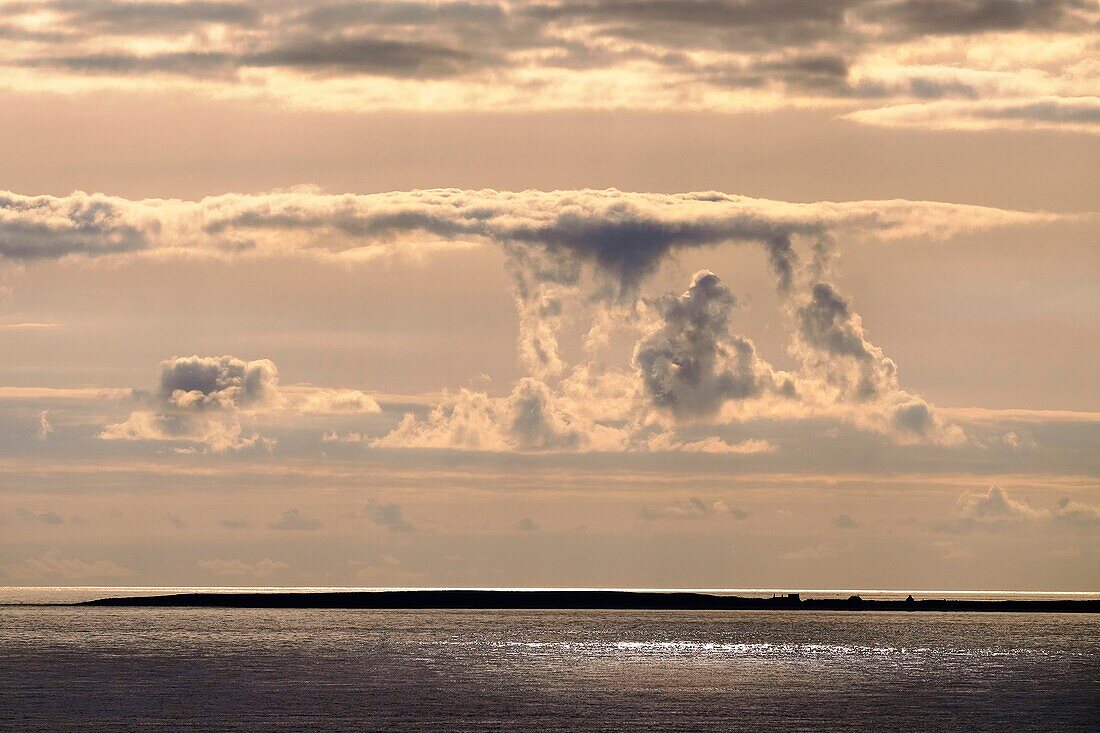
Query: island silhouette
x: 610, y: 600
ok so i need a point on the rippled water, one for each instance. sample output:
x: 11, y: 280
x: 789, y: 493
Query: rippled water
x: 218, y: 669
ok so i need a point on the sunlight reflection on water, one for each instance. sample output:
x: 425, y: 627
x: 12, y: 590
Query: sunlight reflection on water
x: 64, y: 668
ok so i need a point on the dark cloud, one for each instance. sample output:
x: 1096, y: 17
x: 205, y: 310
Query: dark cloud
x: 827, y: 322
x: 378, y: 57
x: 692, y: 509
x: 220, y: 383
x: 705, y: 24
x: 294, y: 520
x: 915, y: 417
x: 375, y: 56
x: 1079, y: 111
x: 120, y: 17
x: 527, y: 525
x: 961, y: 17
x: 844, y: 521
x: 42, y: 227
x: 797, y: 48
x: 630, y: 245
x: 198, y: 64
x: 389, y: 515
x: 349, y: 14
x: 691, y: 365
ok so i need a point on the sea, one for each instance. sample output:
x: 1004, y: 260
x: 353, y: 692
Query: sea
x: 71, y: 668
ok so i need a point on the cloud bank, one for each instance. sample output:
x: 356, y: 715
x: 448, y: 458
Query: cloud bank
x: 725, y: 55
x: 562, y: 247
x: 624, y: 234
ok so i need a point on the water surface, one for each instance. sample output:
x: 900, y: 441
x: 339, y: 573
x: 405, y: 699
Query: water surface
x: 67, y: 669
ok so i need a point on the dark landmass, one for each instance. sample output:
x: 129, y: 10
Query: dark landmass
x: 610, y: 600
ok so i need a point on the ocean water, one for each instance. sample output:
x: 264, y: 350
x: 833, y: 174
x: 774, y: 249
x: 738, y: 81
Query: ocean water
x: 91, y: 669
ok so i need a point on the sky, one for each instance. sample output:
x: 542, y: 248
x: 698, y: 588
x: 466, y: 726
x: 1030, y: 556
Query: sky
x: 578, y: 293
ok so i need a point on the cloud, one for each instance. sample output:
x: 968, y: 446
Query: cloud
x: 844, y: 372
x: 294, y: 520
x: 1077, y: 514
x: 203, y: 400
x: 995, y: 505
x: 661, y: 442
x: 843, y: 521
x: 996, y: 509
x: 51, y: 566
x: 1077, y: 114
x: 323, y: 400
x: 28, y: 325
x: 530, y: 419
x: 723, y: 55
x: 965, y: 17
x: 264, y: 568
x: 527, y: 525
x: 41, y: 517
x: 388, y: 515
x: 687, y: 366
x: 217, y: 383
x: 691, y: 509
x: 45, y: 428
x: 690, y: 365
x: 218, y: 433
x: 624, y: 235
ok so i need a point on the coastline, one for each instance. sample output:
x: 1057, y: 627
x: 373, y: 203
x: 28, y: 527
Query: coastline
x: 555, y: 600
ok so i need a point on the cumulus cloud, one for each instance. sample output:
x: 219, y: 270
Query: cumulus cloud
x: 691, y: 509
x: 531, y: 418
x: 203, y: 400
x: 690, y: 365
x: 844, y: 371
x: 217, y: 383
x: 844, y: 521
x: 219, y: 434
x: 52, y: 567
x: 997, y: 509
x: 294, y: 520
x: 726, y: 55
x: 527, y: 525
x: 687, y: 366
x: 995, y: 505
x: 1076, y: 513
x: 389, y: 515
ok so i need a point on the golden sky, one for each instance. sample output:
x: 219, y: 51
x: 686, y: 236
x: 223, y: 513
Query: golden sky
x: 715, y: 293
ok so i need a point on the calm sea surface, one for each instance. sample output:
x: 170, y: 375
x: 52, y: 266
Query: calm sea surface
x: 91, y: 669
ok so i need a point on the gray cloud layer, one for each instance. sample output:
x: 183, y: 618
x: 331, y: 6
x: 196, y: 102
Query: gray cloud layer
x: 625, y: 235
x: 715, y: 54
